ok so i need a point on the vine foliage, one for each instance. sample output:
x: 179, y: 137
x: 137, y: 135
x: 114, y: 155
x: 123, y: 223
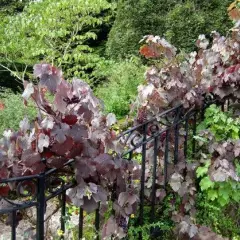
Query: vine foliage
x: 70, y: 125
x: 211, y: 72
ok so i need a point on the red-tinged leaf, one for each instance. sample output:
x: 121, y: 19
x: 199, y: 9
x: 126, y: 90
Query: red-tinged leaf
x: 4, y: 190
x: 163, y: 136
x: 56, y: 162
x: 70, y: 119
x: 2, y: 106
x: 3, y: 173
x: 59, y: 132
x: 126, y: 197
x: 37, y: 168
x: 77, y: 132
x: 30, y: 157
x: 148, y: 51
x: 47, y: 132
x: 47, y: 154
x: 85, y: 113
x: 75, y: 151
x: 113, y: 135
x: 234, y: 14
x: 89, y: 205
x: 64, y: 148
x: 231, y: 69
x: 210, y: 89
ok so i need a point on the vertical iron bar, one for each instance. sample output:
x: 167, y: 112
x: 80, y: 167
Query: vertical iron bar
x: 194, y: 134
x: 154, y: 174
x: 176, y: 134
x: 176, y: 142
x: 80, y: 233
x: 222, y: 106
x: 186, y: 138
x: 143, y: 167
x: 63, y: 213
x: 166, y: 158
x: 41, y: 207
x: 129, y: 177
x: 130, y: 156
x: 228, y: 104
x: 97, y: 223
x: 14, y: 225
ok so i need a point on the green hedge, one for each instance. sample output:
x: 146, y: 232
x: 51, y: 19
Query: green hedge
x: 120, y: 87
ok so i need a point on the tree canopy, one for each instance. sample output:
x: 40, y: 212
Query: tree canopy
x: 68, y: 33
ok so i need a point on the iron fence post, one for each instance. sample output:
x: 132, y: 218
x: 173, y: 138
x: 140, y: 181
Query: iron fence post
x: 41, y: 207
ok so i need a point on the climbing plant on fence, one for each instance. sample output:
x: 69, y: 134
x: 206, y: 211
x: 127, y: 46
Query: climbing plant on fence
x: 70, y: 125
x: 212, y: 71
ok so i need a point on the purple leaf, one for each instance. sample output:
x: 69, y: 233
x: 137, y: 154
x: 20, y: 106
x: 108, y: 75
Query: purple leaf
x: 49, y: 76
x: 111, y: 119
x: 43, y: 141
x: 63, y: 148
x: 30, y: 157
x: 29, y: 90
x: 47, y: 122
x: 85, y: 113
x: 59, y: 132
x: 24, y: 125
x: 89, y: 205
x: 70, y: 119
x: 63, y: 96
x: 55, y: 162
x: 176, y: 181
x: 126, y: 197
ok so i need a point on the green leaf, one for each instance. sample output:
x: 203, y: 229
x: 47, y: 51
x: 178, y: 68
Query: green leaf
x: 222, y: 201
x: 206, y: 183
x: 201, y: 171
x: 212, y: 194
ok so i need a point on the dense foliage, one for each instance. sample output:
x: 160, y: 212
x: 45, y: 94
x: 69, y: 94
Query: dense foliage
x: 218, y: 201
x: 210, y: 72
x: 67, y: 33
x: 11, y: 7
x: 70, y: 126
x: 13, y: 106
x: 186, y: 21
x: 179, y: 21
x: 119, y: 88
x: 134, y: 20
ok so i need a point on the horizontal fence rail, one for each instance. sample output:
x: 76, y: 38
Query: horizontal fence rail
x: 36, y: 190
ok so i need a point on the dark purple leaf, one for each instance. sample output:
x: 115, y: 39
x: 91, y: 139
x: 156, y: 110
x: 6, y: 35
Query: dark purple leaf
x: 49, y: 76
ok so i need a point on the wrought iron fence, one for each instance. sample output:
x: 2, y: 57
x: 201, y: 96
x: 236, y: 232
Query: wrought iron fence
x: 35, y: 191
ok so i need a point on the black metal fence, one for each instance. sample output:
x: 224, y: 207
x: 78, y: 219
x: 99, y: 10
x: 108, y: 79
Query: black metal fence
x: 165, y: 130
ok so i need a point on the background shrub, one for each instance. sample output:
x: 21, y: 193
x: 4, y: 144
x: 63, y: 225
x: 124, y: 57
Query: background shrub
x: 179, y: 21
x: 134, y: 20
x: 185, y: 22
x: 120, y: 87
x: 14, y: 111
